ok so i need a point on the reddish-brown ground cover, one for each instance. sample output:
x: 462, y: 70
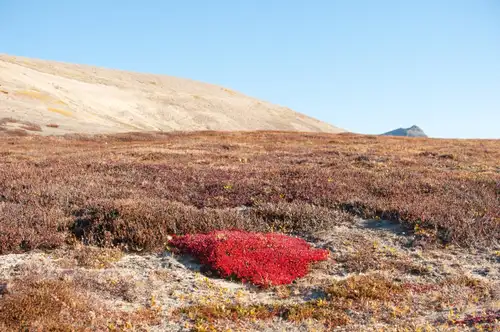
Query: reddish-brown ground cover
x: 133, y: 190
x: 263, y: 259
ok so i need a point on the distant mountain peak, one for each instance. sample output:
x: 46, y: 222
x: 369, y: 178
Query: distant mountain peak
x: 413, y: 131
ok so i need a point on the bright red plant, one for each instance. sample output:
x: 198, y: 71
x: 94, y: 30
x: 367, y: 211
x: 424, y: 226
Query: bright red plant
x: 263, y: 259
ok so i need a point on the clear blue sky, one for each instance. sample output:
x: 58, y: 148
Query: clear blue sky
x: 367, y: 66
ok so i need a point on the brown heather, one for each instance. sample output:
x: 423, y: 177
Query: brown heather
x: 32, y: 301
x: 133, y: 190
x: 57, y: 305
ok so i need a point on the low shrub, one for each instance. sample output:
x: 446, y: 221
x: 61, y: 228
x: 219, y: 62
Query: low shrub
x: 181, y: 183
x: 372, y: 258
x: 297, y: 217
x: 371, y: 287
x: 375, y: 292
x: 31, y: 304
x: 28, y: 227
x: 261, y: 259
x: 327, y: 313
x: 136, y: 225
x: 43, y: 305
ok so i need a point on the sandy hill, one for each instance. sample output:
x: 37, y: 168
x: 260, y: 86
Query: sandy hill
x: 73, y: 98
x: 413, y: 131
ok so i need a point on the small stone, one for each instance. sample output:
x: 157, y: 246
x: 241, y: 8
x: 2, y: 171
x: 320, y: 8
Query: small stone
x: 482, y: 271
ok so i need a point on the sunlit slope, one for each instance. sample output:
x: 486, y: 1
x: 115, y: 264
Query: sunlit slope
x: 73, y: 98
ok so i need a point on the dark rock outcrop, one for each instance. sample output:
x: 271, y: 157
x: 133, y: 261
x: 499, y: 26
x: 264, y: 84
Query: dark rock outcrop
x: 413, y: 131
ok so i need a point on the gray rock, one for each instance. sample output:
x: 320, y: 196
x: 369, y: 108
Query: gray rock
x: 413, y: 131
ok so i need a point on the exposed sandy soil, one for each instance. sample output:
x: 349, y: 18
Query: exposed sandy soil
x: 85, y: 99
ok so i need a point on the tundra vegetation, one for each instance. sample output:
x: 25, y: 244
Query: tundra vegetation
x: 395, y: 233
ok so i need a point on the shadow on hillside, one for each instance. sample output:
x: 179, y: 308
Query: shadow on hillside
x: 385, y: 225
x: 189, y: 263
x: 182, y: 261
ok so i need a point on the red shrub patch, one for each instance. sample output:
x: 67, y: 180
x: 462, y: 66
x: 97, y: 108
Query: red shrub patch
x: 262, y: 259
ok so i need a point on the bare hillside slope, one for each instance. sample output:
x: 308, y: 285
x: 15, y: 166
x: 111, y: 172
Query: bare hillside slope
x: 72, y: 98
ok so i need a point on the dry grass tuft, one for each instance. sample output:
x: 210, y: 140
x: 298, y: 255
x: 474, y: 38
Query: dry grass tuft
x: 56, y: 305
x: 478, y: 289
x: 373, y: 293
x: 96, y: 258
x: 362, y: 287
x: 44, y: 305
x: 374, y: 257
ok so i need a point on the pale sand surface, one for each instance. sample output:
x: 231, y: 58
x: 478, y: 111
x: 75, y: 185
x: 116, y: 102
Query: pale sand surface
x: 85, y: 99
